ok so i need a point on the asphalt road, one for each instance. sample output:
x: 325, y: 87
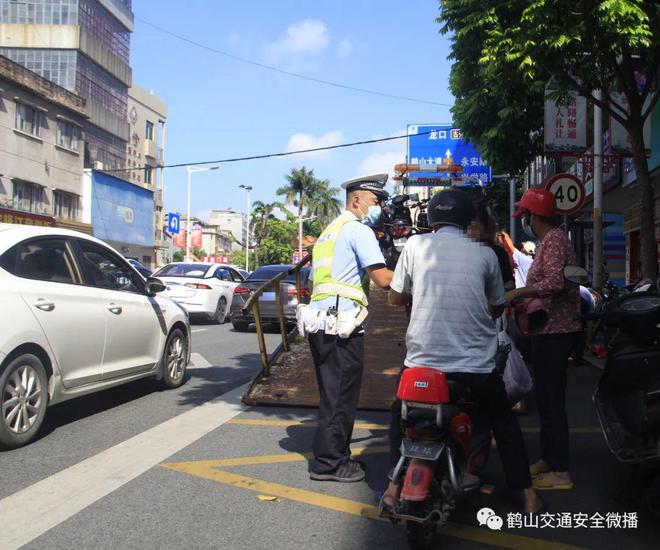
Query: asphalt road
x: 193, y: 468
x: 78, y: 429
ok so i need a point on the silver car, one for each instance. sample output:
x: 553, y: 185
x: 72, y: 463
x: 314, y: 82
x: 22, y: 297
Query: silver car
x: 267, y: 304
x: 77, y: 319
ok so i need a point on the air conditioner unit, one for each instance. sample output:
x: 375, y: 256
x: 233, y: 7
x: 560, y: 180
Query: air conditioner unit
x: 98, y: 165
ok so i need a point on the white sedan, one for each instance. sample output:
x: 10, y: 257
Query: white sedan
x: 76, y: 319
x: 204, y: 289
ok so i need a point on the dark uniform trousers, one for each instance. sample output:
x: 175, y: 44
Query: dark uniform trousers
x: 338, y: 363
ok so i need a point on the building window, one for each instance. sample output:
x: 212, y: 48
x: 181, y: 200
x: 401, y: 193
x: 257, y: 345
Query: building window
x: 58, y: 66
x: 148, y: 175
x: 68, y: 135
x: 149, y: 131
x: 28, y: 197
x: 27, y: 119
x: 66, y: 206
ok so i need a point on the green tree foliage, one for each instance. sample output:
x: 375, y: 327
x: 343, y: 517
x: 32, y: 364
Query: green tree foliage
x: 261, y: 213
x: 496, y: 106
x: 178, y: 256
x: 238, y: 259
x: 276, y: 247
x: 505, y: 53
x: 300, y: 182
x: 311, y: 196
x: 324, y: 205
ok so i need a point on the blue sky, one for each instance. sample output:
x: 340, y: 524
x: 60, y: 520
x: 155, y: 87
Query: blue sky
x: 220, y: 108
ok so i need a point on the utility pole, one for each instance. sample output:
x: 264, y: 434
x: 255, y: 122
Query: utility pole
x: 512, y: 209
x: 597, y: 274
x: 247, y: 227
x: 192, y: 170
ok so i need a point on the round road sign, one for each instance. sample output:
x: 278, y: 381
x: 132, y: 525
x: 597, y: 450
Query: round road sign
x: 568, y: 191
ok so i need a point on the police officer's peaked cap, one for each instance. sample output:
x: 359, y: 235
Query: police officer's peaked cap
x: 374, y: 183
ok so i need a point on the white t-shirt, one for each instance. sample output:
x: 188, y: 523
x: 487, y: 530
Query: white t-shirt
x: 452, y: 280
x: 523, y: 263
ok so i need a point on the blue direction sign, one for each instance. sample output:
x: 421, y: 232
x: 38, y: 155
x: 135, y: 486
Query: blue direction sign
x: 430, y: 144
x: 173, y: 223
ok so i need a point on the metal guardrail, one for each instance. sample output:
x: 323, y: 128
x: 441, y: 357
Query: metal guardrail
x: 252, y: 303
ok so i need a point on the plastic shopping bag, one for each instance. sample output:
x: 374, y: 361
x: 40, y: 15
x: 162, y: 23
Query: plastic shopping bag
x: 517, y: 380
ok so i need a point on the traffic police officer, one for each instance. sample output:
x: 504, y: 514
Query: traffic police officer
x: 345, y: 258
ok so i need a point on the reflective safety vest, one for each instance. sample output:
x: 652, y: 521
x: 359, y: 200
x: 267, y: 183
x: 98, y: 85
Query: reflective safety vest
x: 322, y: 259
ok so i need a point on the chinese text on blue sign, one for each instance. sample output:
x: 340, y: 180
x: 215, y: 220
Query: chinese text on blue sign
x: 430, y: 144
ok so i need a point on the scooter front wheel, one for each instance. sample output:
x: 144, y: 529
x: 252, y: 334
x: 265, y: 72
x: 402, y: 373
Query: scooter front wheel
x: 419, y: 535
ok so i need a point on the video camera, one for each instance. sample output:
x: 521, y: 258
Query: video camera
x: 396, y: 224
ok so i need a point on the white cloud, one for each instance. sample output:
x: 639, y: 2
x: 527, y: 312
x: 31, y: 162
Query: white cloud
x: 301, y: 141
x: 384, y: 156
x: 307, y: 36
x: 380, y: 163
x: 345, y: 47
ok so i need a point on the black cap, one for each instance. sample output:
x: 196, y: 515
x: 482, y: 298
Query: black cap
x: 374, y: 183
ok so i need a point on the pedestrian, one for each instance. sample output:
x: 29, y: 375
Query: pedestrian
x: 553, y: 341
x: 484, y: 230
x: 345, y: 259
x: 456, y: 291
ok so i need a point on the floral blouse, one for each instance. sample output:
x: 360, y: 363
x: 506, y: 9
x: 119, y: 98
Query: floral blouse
x: 546, y: 275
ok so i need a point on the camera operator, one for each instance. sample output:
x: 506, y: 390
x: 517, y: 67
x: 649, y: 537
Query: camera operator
x: 345, y: 258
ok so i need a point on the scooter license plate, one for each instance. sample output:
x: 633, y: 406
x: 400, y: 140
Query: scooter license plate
x: 424, y: 450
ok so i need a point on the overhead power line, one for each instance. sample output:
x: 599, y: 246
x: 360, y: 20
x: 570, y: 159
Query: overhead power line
x: 269, y: 155
x: 290, y: 73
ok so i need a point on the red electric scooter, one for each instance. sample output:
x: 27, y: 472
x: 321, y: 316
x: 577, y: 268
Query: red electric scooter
x: 436, y: 421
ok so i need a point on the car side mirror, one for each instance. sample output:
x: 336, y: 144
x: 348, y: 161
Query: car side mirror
x: 154, y: 286
x: 576, y: 274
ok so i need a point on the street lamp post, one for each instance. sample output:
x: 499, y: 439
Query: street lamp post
x: 192, y: 170
x: 248, y: 188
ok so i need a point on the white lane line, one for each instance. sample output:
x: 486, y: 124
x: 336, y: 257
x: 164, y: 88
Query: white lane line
x: 34, y: 510
x: 197, y: 361
x: 199, y: 330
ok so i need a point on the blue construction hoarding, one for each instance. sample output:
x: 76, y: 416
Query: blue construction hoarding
x: 432, y: 144
x: 121, y: 212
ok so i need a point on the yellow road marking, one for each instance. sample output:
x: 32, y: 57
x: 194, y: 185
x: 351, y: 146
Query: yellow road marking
x: 305, y: 423
x: 355, y: 508
x: 367, y: 425
x: 585, y: 430
x: 272, y: 459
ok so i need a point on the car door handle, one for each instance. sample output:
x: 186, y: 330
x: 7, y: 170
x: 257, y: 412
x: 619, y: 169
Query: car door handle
x: 113, y: 308
x: 43, y: 305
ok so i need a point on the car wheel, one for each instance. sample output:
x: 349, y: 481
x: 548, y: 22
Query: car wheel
x: 175, y: 359
x: 240, y: 326
x: 221, y: 311
x: 23, y: 400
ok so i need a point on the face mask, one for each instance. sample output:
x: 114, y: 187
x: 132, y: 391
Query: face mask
x: 527, y: 228
x: 372, y: 216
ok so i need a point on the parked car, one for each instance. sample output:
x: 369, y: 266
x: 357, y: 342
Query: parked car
x: 203, y: 289
x: 267, y: 304
x: 144, y: 271
x: 77, y: 319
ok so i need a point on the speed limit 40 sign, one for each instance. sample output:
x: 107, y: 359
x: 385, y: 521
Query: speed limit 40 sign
x: 568, y: 191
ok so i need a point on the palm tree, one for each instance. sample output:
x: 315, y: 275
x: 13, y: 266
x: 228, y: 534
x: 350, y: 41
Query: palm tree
x: 301, y: 182
x: 323, y: 203
x: 261, y: 213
